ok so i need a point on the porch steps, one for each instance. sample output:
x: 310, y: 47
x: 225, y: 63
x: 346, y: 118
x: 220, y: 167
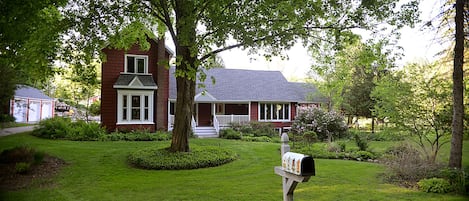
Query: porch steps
x: 205, y: 132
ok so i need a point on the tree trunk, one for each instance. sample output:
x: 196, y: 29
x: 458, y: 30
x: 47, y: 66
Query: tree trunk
x: 455, y: 158
x: 373, y: 125
x: 186, y: 74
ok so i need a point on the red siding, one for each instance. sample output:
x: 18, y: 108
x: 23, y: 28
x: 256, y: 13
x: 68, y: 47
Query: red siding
x: 111, y: 69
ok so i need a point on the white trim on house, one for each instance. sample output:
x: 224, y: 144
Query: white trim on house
x: 135, y: 84
x: 136, y: 56
x: 145, y: 107
x: 277, y: 114
x: 204, y: 97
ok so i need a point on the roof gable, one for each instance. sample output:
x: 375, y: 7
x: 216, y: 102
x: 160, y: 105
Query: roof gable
x: 135, y: 81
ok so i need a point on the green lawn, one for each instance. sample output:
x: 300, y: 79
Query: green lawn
x: 98, y: 171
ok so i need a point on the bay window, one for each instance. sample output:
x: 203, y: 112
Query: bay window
x: 133, y: 107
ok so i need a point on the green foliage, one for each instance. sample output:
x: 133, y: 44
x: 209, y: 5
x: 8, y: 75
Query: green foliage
x: 417, y: 100
x: 22, y: 167
x: 310, y: 136
x: 254, y: 127
x: 95, y: 108
x: 434, y: 185
x: 164, y: 159
x: 64, y: 128
x: 256, y: 139
x: 459, y: 179
x: 363, y: 155
x: 24, y: 157
x: 325, y: 124
x: 139, y: 136
x: 230, y: 133
x: 361, y: 141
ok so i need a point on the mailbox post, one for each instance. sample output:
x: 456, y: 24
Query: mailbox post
x: 296, y: 168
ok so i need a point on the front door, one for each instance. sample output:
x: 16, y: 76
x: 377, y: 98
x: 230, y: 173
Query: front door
x: 204, y: 114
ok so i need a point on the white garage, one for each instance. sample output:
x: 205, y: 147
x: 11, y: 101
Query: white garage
x: 31, y: 105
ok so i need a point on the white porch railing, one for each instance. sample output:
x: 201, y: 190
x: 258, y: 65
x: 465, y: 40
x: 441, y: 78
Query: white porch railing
x: 219, y: 121
x: 216, y: 124
x: 170, y: 122
x: 225, y: 120
x: 193, y: 124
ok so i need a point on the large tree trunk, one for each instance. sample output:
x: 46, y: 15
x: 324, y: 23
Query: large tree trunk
x: 186, y: 71
x: 455, y: 158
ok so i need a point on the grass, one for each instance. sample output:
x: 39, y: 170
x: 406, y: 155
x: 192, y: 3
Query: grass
x: 98, y: 171
x: 14, y: 124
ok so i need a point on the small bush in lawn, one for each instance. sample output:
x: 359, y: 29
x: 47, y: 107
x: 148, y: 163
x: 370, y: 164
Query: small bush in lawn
x: 310, y: 136
x: 22, y: 167
x: 334, y: 147
x: 363, y: 155
x: 256, y: 139
x: 139, y: 136
x: 434, y: 185
x: 164, y: 159
x: 459, y: 179
x: 229, y: 133
x: 18, y: 154
x: 361, y: 142
x: 53, y: 128
x: 406, y: 165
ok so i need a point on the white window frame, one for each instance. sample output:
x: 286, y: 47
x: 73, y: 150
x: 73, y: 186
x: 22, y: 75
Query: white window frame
x: 136, y: 56
x: 272, y: 104
x: 129, y: 94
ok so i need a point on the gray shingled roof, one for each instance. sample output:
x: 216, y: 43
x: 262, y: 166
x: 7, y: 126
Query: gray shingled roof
x: 125, y: 79
x: 30, y: 92
x: 251, y: 85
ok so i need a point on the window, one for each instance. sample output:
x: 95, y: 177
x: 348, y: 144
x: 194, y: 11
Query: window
x: 136, y: 64
x: 274, y: 112
x: 134, y: 107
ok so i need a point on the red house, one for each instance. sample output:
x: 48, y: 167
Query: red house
x: 139, y: 92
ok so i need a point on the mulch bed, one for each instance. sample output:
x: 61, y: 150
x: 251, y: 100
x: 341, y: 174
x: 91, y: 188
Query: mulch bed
x: 40, y: 175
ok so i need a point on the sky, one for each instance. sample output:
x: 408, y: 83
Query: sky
x: 418, y: 45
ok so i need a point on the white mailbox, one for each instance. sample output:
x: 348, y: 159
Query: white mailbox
x: 298, y: 164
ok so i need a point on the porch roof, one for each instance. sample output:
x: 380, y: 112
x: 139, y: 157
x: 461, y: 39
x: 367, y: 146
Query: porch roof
x: 252, y: 85
x: 135, y: 81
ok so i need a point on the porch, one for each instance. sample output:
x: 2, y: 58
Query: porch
x: 209, y: 118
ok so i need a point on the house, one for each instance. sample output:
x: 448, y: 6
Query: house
x: 139, y: 92
x: 30, y: 105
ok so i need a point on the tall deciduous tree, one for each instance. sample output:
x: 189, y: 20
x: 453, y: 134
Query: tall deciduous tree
x: 202, y: 28
x: 455, y: 159
x: 29, y: 39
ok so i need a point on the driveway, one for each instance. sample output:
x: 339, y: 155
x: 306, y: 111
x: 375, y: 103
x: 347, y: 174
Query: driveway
x: 14, y: 130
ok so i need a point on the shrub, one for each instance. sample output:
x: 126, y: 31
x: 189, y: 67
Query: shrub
x: 310, y: 136
x: 333, y: 147
x: 53, y: 128
x: 164, y: 159
x: 406, y: 165
x: 64, y: 128
x: 362, y: 142
x: 321, y: 122
x: 256, y: 139
x: 95, y: 108
x: 230, y: 134
x: 364, y: 155
x: 18, y: 154
x: 139, y: 136
x: 434, y: 185
x: 459, y: 179
x: 22, y: 167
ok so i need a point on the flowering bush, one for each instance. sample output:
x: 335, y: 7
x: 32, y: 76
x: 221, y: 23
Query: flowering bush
x: 325, y: 124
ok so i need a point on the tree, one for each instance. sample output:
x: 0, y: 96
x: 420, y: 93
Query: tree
x: 417, y: 100
x: 455, y: 159
x: 29, y: 37
x: 350, y: 73
x: 201, y: 29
